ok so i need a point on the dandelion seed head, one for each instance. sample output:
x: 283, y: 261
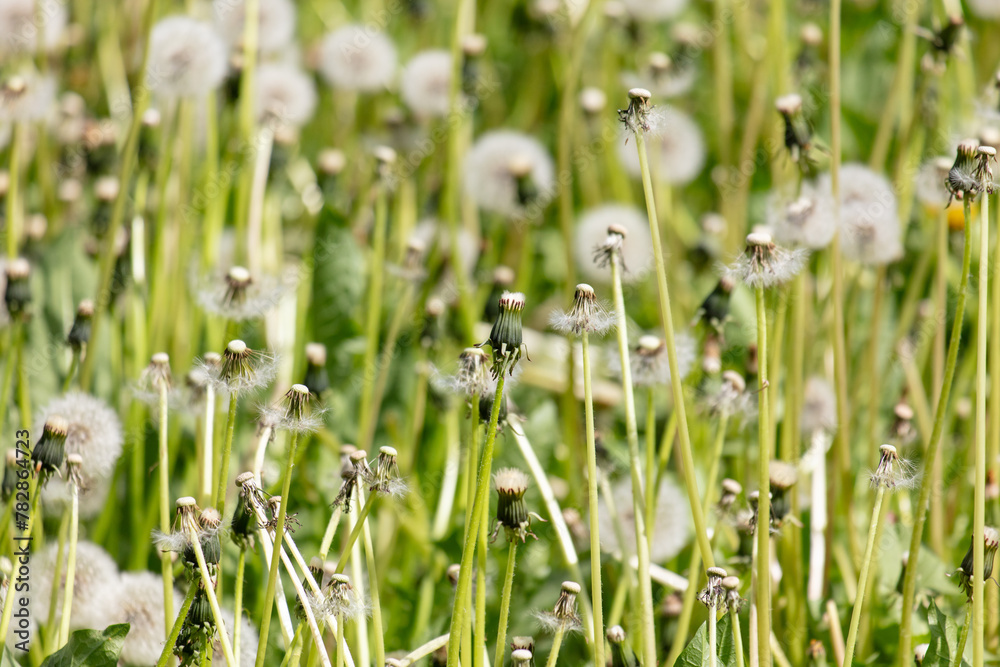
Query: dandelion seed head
x: 508, y: 173
x: 587, y: 314
x: 344, y: 600
x: 612, y: 229
x: 806, y: 221
x: 187, y: 58
x: 472, y: 376
x: 671, y: 530
x: 358, y: 58
x: 26, y: 97
x: 662, y: 76
x: 141, y: 606
x: 285, y: 95
x: 275, y: 27
x: 893, y: 472
x: 765, y: 264
x: 676, y: 148
x: 819, y: 407
x: 654, y: 10
x: 425, y: 84
x: 20, y: 27
x: 869, y: 221
x: 95, y: 590
x: 239, y: 296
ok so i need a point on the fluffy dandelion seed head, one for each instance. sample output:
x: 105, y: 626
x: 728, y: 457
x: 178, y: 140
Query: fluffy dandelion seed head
x: 601, y: 235
x: 490, y: 181
x: 344, y: 600
x: 26, y: 97
x: 286, y: 95
x: 472, y: 377
x: 819, y: 407
x: 276, y: 23
x: 676, y: 148
x: 654, y: 10
x: 358, y: 58
x: 238, y: 295
x: 563, y: 615
x: 671, y: 529
x: 893, y: 472
x: 187, y: 58
x: 141, y: 606
x: 664, y: 77
x: 96, y: 592
x: 426, y: 83
x: 869, y: 221
x: 242, y: 369
x: 765, y: 264
x: 587, y: 315
x: 650, y: 362
x: 294, y: 412
x: 20, y: 28
x: 806, y: 221
x: 386, y: 478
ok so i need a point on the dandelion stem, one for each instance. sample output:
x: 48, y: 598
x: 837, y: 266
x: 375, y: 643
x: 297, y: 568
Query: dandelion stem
x: 73, y: 365
x: 556, y: 645
x: 52, y: 640
x: 712, y: 632
x: 213, y: 601
x: 355, y: 533
x: 508, y: 585
x: 207, y: 448
x: 340, y: 640
x: 478, y: 514
x: 34, y: 492
x: 175, y: 631
x: 373, y: 312
x: 763, y: 536
x: 227, y: 448
x: 13, y: 189
x: 651, y: 477
x: 979, y: 511
x: 479, y: 655
x: 238, y: 603
x: 23, y: 392
x: 595, y: 537
x: 331, y: 531
x: 690, y: 480
x: 74, y: 534
x: 734, y: 621
x: 852, y: 633
x: 641, y: 544
x: 279, y: 532
x: 164, y: 464
x: 933, y: 445
x: 373, y: 586
x: 963, y: 637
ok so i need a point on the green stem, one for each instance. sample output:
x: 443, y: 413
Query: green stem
x: 734, y: 621
x: 238, y: 603
x: 34, y: 492
x: 340, y: 640
x: 651, y: 477
x: 478, y: 514
x: 712, y: 635
x: 963, y: 638
x: 52, y: 640
x: 641, y: 544
x: 377, y: 627
x: 23, y: 391
x: 931, y: 452
x: 175, y: 631
x: 72, y: 371
x: 74, y: 534
x: 373, y: 312
x: 479, y: 655
x: 595, y: 537
x: 279, y: 534
x: 556, y: 645
x: 13, y: 190
x: 165, y: 560
x: 763, y: 536
x: 508, y: 585
x: 355, y: 533
x: 213, y: 602
x: 227, y: 448
x: 979, y: 511
x: 852, y: 633
x: 208, y: 446
x: 128, y: 159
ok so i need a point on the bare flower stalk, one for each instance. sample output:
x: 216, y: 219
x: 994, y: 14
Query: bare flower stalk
x: 763, y: 561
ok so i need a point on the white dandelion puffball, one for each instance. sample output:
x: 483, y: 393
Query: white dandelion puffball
x: 141, y: 606
x: 95, y: 432
x: 19, y: 25
x: 671, y: 528
x: 248, y: 639
x: 676, y: 148
x: 805, y: 221
x: 425, y: 84
x: 869, y: 221
x: 358, y: 58
x: 186, y: 58
x: 430, y: 233
x: 285, y: 94
x: 591, y: 232
x: 497, y: 167
x: 928, y: 184
x: 819, y: 407
x: 96, y: 593
x: 26, y: 97
x: 276, y: 26
x: 654, y: 10
x: 985, y: 9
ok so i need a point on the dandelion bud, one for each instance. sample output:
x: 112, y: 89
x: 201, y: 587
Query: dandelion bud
x: 713, y: 595
x: 962, y: 180
x: 992, y: 540
x: 511, y: 485
x: 316, y: 377
x: 621, y: 653
x: 9, y: 475
x: 49, y: 453
x: 783, y: 477
x: 765, y: 264
x: 731, y: 490
x: 506, y: 335
x: 17, y: 296
x: 635, y: 117
x: 79, y: 333
x: 521, y: 657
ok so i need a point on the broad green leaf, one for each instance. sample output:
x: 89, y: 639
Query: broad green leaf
x: 944, y: 638
x: 91, y: 648
x: 696, y: 653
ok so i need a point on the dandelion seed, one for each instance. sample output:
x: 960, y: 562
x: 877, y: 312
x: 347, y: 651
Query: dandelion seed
x: 563, y: 616
x: 509, y: 173
x: 344, y: 600
x: 765, y: 264
x: 242, y: 369
x: 286, y: 96
x: 26, y: 97
x: 358, y: 58
x: 676, y: 146
x: 588, y: 314
x: 385, y: 479
x: 601, y: 232
x: 294, y: 412
x: 186, y: 58
x: 275, y: 27
x: 425, y: 84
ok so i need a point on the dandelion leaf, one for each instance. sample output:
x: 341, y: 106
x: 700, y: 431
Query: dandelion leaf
x: 696, y: 653
x: 91, y: 648
x: 944, y: 638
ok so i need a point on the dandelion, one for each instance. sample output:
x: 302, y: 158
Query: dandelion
x: 511, y: 485
x: 19, y: 26
x: 294, y: 412
x: 563, y: 617
x: 731, y: 398
x: 154, y: 379
x: 713, y: 595
x: 96, y: 593
x: 621, y: 653
x: 677, y: 149
x: 472, y: 377
x: 929, y: 185
x: 892, y: 472
x: 870, y: 231
x: 344, y: 601
x: 783, y: 477
x: 508, y: 173
x: 733, y: 601
x: 731, y: 490
x: 26, y: 97
x: 239, y: 296
x: 671, y: 529
x: 50, y: 451
x: 587, y: 314
x: 649, y: 361
x: 522, y: 656
x: 186, y: 58
x: 141, y: 606
x: 79, y: 333
x: 17, y: 293
x: 385, y: 478
x: 316, y: 379
x: 654, y: 10
x: 662, y: 76
x: 805, y: 221
x: 425, y: 84
x: 242, y: 370
x: 357, y: 58
x: 601, y: 233
x: 765, y: 264
x: 276, y: 22
x: 286, y: 96
x: 506, y: 335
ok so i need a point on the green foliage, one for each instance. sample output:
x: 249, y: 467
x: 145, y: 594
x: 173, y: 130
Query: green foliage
x: 944, y: 638
x: 91, y: 648
x: 696, y: 653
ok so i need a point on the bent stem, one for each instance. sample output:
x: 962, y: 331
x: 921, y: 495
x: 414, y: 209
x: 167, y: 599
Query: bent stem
x: 852, y: 633
x: 763, y: 536
x: 595, y: 537
x: 508, y: 584
x: 464, y: 587
x: 933, y: 445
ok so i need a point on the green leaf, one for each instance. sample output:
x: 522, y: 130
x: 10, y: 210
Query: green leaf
x: 696, y: 653
x: 7, y: 659
x: 91, y: 648
x: 944, y: 638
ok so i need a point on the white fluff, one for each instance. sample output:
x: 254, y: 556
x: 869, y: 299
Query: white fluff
x: 141, y: 605
x: 358, y: 58
x: 186, y: 58
x: 676, y: 148
x: 869, y: 221
x: 96, y: 591
x: 671, y: 530
x: 487, y: 169
x: 275, y: 28
x: 426, y: 83
x: 285, y: 94
x: 19, y: 25
x: 592, y: 230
